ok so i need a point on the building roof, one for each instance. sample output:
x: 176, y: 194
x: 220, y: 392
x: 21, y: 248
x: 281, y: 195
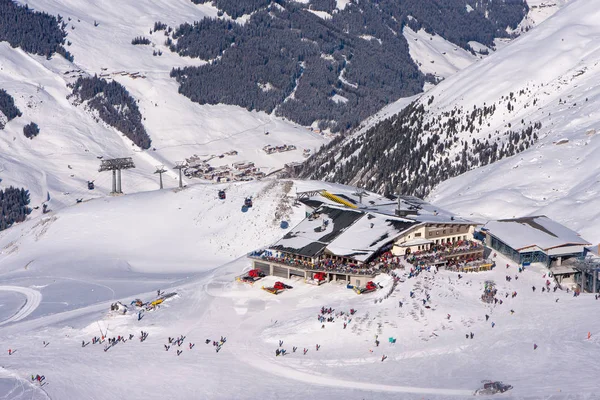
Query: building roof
x: 368, y: 235
x: 417, y: 209
x: 562, y: 270
x: 541, y: 231
x: 355, y: 234
x: 310, y: 237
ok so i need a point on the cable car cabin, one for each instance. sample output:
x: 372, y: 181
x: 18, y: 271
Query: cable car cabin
x: 248, y: 202
x: 91, y: 185
x: 222, y: 195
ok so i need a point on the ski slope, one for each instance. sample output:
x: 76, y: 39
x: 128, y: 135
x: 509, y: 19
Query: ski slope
x: 557, y: 85
x: 83, y: 258
x: 59, y: 162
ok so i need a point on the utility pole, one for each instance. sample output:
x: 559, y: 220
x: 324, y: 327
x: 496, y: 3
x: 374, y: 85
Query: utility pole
x: 160, y: 169
x: 180, y: 165
x: 116, y: 165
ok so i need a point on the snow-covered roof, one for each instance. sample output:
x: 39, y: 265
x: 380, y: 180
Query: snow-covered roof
x: 367, y: 235
x: 416, y: 208
x: 310, y: 236
x: 355, y: 234
x: 562, y: 269
x: 531, y: 231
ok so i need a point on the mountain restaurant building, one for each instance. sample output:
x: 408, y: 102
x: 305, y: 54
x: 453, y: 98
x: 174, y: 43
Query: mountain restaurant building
x: 534, y: 239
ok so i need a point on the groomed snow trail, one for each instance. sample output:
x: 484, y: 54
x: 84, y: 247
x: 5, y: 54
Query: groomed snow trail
x: 290, y: 373
x: 32, y: 301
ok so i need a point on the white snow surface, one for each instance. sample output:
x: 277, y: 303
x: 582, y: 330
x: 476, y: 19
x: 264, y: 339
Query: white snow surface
x: 70, y: 135
x: 435, y: 55
x: 557, y: 66
x: 83, y: 258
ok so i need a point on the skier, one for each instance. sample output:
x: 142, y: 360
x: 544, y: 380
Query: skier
x: 294, y: 349
x: 305, y: 351
x: 467, y: 335
x: 472, y: 335
x: 535, y: 346
x: 10, y: 352
x: 400, y: 304
x: 487, y: 317
x: 493, y: 324
x: 533, y: 288
x: 448, y: 317
x: 277, y: 352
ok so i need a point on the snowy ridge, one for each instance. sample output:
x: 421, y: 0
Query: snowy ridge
x: 557, y: 85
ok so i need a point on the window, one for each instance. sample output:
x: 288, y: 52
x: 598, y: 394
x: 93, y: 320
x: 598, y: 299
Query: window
x: 444, y: 231
x: 418, y: 234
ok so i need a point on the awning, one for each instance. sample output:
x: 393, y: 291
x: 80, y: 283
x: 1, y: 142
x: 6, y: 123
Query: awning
x: 563, y: 269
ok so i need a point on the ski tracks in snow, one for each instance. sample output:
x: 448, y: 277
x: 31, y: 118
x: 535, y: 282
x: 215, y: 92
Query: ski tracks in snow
x: 32, y: 301
x: 290, y: 373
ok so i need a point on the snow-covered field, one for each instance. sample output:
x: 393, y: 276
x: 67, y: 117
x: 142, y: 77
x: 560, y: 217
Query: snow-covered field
x: 63, y: 157
x: 61, y: 272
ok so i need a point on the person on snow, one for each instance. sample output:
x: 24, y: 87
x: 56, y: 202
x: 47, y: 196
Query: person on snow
x: 305, y: 351
x: 512, y: 312
x: 535, y: 346
x: 400, y: 304
x: 345, y: 324
x: 294, y: 349
x: 493, y: 324
x: 277, y: 352
x: 467, y: 335
x: 533, y: 288
x: 448, y: 316
x: 487, y: 317
x: 472, y: 335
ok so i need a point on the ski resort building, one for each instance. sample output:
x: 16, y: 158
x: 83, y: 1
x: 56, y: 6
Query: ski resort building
x: 353, y: 236
x: 535, y: 239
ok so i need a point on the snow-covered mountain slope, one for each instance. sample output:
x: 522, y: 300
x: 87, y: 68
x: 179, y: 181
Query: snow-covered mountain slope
x: 60, y: 273
x: 539, y: 90
x: 559, y: 66
x: 70, y: 136
x: 435, y: 55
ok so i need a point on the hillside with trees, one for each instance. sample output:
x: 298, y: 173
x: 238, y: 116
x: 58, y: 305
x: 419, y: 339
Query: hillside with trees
x: 114, y: 105
x: 13, y: 206
x: 34, y: 32
x: 8, y: 109
x: 335, y: 68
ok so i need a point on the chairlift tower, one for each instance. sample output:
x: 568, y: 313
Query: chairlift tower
x: 180, y: 165
x: 589, y: 265
x: 116, y: 165
x: 160, y: 169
